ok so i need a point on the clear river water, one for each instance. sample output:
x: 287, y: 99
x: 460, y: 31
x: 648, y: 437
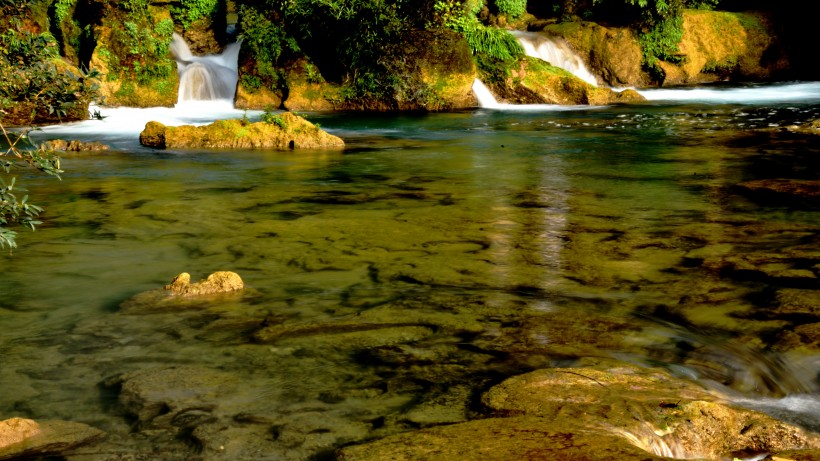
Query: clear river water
x: 389, y: 284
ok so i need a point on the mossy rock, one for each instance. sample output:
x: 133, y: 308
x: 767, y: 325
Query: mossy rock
x: 533, y: 81
x: 611, y: 53
x: 286, y: 132
x: 718, y: 45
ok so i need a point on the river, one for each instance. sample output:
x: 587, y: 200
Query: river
x: 388, y: 285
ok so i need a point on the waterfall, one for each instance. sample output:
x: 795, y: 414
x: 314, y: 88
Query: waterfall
x: 556, y: 52
x: 483, y: 95
x: 205, y: 78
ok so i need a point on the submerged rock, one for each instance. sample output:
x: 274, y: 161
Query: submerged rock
x: 72, y: 146
x: 285, y: 131
x: 607, y: 411
x: 788, y: 191
x: 28, y: 439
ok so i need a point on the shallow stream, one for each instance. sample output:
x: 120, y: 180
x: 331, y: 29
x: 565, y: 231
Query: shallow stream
x: 392, y: 283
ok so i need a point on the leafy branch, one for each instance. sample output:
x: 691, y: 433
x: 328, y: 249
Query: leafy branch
x: 14, y: 211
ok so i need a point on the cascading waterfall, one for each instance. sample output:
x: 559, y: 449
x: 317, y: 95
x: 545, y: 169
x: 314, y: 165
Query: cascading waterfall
x: 556, y: 52
x: 549, y: 49
x: 205, y: 78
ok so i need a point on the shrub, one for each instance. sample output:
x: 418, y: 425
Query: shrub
x: 20, y: 212
x: 512, y: 8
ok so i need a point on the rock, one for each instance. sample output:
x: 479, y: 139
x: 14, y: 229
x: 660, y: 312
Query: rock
x: 498, y: 439
x: 286, y: 131
x: 611, y: 53
x: 16, y: 430
x: 218, y: 282
x: 181, y: 294
x: 28, y: 439
x: 607, y: 410
x: 811, y: 127
x: 172, y: 398
x: 72, y: 146
x: 535, y: 81
x: 787, y: 191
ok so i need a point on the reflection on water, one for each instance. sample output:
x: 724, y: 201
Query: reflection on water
x: 391, y: 283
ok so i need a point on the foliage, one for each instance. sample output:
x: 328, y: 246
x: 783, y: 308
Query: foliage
x: 266, y: 39
x: 512, y: 8
x: 661, y: 43
x: 142, y: 51
x: 489, y: 41
x: 35, y: 83
x: 62, y: 8
x: 189, y: 11
x: 493, y: 42
x: 14, y: 211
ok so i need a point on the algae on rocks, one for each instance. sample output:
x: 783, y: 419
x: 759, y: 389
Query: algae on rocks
x: 285, y: 131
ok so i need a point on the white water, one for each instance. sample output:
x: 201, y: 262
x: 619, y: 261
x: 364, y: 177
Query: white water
x: 486, y: 100
x: 556, y: 52
x: 775, y: 93
x: 205, y: 78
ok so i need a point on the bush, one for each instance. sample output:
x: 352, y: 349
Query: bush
x: 512, y: 8
x: 35, y: 88
x: 192, y: 10
x: 16, y: 212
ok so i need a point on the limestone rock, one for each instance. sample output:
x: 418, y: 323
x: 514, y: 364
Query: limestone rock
x: 286, y: 131
x: 218, y: 282
x: 27, y: 439
x: 611, y: 53
x: 535, y: 81
x: 16, y: 430
x: 72, y: 146
x: 605, y: 410
x: 498, y: 439
x: 172, y: 397
x: 181, y: 294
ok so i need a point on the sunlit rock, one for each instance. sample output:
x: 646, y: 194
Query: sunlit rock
x: 27, y: 439
x: 285, y: 131
x: 611, y: 410
x: 182, y: 294
x: 14, y: 430
x: 218, y: 282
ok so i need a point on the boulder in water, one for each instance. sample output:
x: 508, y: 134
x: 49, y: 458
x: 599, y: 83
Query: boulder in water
x: 610, y: 410
x: 182, y: 294
x: 285, y: 131
x: 28, y: 439
x: 72, y: 146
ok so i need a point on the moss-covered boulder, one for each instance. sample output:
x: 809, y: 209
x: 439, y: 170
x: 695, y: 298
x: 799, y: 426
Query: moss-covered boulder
x: 132, y: 54
x: 611, y: 53
x: 284, y: 131
x: 716, y: 46
x: 720, y: 45
x: 533, y: 81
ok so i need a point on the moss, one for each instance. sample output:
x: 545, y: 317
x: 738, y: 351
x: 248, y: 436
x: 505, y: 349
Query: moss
x: 291, y: 132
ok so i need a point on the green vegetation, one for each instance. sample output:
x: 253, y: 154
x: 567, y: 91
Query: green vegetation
x: 36, y: 86
x: 143, y: 54
x: 190, y: 11
x: 20, y: 212
x: 511, y: 8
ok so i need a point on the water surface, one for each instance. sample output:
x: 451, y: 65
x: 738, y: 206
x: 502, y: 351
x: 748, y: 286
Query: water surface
x: 392, y: 283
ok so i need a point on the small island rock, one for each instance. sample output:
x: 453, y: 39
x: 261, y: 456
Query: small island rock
x: 285, y: 131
